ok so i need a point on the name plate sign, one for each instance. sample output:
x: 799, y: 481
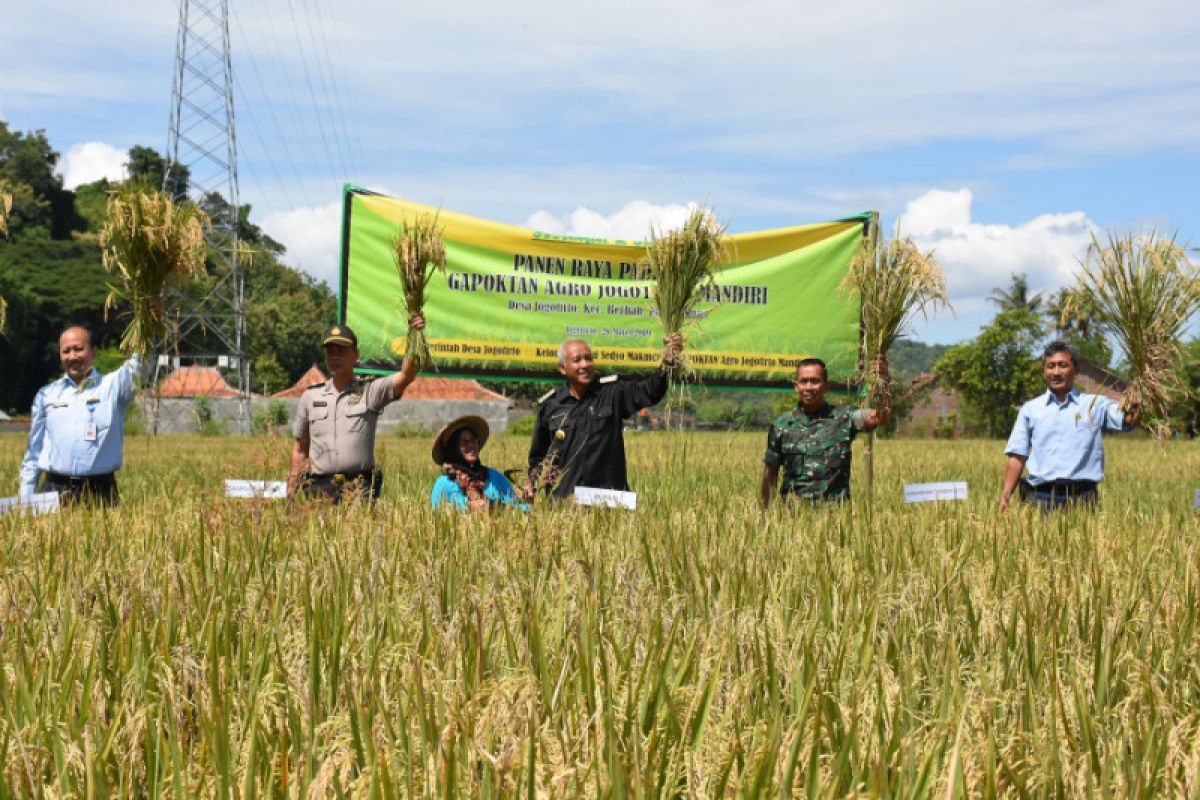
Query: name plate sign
x: 933, y: 492
x: 610, y: 498
x: 42, y: 503
x: 258, y: 490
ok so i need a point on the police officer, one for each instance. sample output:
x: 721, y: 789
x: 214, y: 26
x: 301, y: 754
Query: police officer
x: 78, y: 430
x: 334, y: 452
x: 578, y: 439
x: 812, y: 442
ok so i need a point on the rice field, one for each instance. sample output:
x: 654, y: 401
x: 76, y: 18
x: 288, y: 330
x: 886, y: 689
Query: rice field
x: 191, y: 646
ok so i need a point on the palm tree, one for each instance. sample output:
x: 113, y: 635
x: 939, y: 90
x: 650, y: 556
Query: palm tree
x: 1017, y: 297
x: 1077, y: 320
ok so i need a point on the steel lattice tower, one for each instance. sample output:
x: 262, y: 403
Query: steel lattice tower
x: 202, y: 138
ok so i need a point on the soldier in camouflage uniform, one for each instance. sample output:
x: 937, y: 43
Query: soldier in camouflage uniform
x: 812, y: 443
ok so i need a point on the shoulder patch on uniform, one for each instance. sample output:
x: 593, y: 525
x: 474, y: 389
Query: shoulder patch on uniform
x: 546, y: 396
x: 608, y: 379
x: 314, y: 386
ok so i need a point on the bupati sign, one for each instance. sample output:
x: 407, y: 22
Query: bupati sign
x: 510, y: 296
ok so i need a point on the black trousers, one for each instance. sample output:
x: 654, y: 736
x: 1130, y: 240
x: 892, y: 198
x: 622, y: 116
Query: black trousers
x: 90, y: 490
x: 343, y: 486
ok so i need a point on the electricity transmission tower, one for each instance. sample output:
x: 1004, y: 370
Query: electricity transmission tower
x: 209, y: 329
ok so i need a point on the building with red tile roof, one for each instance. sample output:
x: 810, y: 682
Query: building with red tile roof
x: 310, y: 378
x: 424, y: 388
x: 196, y: 382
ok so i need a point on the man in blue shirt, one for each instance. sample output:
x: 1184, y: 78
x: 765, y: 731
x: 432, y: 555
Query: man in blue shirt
x: 1058, y: 437
x: 78, y: 430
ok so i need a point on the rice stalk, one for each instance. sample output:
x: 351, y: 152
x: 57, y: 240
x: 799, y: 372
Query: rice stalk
x: 1145, y: 291
x: 6, y: 203
x: 419, y: 251
x: 895, y: 282
x: 682, y: 262
x: 154, y: 246
x: 5, y: 210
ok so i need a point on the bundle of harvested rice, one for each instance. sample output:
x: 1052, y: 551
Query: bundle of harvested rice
x: 1144, y: 291
x: 681, y: 262
x: 154, y: 246
x: 419, y: 251
x: 895, y: 282
x: 5, y: 210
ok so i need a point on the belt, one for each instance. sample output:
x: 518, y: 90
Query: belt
x: 104, y: 477
x: 339, y: 477
x: 1062, y: 486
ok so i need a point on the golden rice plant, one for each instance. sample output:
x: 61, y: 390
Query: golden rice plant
x: 682, y: 262
x: 6, y: 204
x: 895, y: 282
x: 1145, y: 291
x: 419, y: 251
x: 5, y: 210
x: 153, y: 245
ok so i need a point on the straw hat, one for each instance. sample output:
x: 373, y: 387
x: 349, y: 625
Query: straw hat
x: 478, y: 426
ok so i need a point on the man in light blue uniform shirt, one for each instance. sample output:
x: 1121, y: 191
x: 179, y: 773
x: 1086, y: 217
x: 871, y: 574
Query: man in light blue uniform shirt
x: 78, y: 431
x: 1058, y: 437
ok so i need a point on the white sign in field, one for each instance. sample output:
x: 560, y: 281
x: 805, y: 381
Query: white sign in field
x: 611, y: 498
x: 42, y: 503
x: 929, y: 492
x: 268, y: 490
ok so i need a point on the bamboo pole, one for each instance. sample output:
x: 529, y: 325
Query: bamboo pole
x: 869, y: 450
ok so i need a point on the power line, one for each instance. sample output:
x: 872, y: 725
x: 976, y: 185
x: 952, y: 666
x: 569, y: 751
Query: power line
x: 311, y: 91
x: 339, y: 141
x: 353, y: 140
x: 300, y: 125
x: 264, y: 100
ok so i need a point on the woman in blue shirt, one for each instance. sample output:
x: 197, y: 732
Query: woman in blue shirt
x: 466, y: 483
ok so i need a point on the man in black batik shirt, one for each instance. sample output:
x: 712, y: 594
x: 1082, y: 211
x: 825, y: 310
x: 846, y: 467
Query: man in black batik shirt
x: 578, y: 440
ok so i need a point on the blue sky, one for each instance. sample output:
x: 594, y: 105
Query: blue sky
x: 1000, y: 134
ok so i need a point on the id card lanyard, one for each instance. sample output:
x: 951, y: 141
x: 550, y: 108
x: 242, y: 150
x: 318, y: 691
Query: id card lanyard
x: 89, y: 432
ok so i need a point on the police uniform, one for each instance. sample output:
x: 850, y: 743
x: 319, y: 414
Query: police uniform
x: 579, y: 442
x: 340, y: 428
x: 814, y: 449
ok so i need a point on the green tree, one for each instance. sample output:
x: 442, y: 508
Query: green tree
x: 1186, y: 416
x: 91, y: 200
x: 48, y: 284
x: 41, y: 206
x: 996, y: 371
x: 286, y: 311
x: 908, y: 359
x: 267, y: 374
x: 1017, y: 297
x: 1079, y: 323
x: 146, y: 162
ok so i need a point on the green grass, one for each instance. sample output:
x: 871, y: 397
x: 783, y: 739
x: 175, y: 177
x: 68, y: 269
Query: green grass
x: 186, y: 645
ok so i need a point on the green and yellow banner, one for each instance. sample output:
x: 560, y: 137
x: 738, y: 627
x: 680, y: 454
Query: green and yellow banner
x: 510, y: 296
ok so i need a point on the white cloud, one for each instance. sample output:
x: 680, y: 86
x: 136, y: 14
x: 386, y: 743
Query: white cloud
x: 311, y: 236
x: 978, y: 257
x: 634, y: 220
x: 91, y: 161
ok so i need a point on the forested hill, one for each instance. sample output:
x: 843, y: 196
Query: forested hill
x: 50, y: 273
